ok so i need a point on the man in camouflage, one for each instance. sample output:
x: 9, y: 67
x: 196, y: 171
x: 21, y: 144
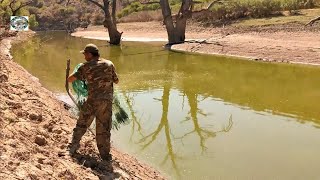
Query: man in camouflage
x: 99, y: 75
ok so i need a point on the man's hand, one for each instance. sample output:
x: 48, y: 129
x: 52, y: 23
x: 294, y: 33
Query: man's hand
x: 117, y: 81
x: 71, y: 78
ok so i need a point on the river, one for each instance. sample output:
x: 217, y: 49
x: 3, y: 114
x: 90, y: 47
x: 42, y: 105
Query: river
x: 198, y: 116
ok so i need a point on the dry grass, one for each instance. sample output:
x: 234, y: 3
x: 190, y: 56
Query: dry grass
x: 142, y: 16
x: 304, y: 16
x: 230, y: 11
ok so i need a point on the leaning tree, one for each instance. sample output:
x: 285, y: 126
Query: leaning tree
x: 109, y: 21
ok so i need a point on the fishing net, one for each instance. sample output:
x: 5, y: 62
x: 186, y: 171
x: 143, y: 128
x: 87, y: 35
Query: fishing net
x: 119, y: 108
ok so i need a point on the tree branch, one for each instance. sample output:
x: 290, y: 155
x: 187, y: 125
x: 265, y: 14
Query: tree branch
x: 97, y: 4
x: 22, y: 5
x: 10, y: 5
x: 213, y: 3
x: 313, y: 21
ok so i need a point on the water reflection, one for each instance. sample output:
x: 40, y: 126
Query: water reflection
x: 163, y: 126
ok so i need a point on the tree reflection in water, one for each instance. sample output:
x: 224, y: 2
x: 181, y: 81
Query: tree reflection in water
x: 136, y: 125
x: 191, y: 94
x: 164, y: 125
x: 201, y: 132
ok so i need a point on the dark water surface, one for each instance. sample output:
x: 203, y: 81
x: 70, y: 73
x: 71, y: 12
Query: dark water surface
x: 198, y: 116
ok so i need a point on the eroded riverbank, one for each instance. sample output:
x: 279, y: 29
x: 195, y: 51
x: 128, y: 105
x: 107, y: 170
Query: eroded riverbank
x: 35, y: 130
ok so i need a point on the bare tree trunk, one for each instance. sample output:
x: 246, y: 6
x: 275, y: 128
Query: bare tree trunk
x: 114, y: 9
x: 185, y: 13
x: 109, y: 23
x: 167, y: 19
x: 176, y: 31
x: 114, y: 34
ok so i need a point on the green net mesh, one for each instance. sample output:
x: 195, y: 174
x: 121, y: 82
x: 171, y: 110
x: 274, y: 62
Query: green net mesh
x: 119, y: 108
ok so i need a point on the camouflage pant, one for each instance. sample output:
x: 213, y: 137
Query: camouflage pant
x: 102, y: 111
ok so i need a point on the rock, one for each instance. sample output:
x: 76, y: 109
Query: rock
x: 61, y: 153
x: 63, y: 146
x: 19, y: 113
x: 38, y: 166
x: 40, y: 140
x: 44, y: 133
x: 67, y: 174
x: 40, y: 160
x: 57, y: 131
x: 48, y: 126
x: 33, y: 176
x: 3, y: 78
x: 35, y: 117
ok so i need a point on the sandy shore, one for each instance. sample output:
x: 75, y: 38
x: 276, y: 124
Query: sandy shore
x: 36, y: 127
x: 275, y: 46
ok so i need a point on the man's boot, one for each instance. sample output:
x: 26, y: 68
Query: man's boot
x: 107, y: 157
x: 73, y: 147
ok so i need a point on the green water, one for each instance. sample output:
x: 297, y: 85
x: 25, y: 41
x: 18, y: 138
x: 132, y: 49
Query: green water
x: 197, y: 116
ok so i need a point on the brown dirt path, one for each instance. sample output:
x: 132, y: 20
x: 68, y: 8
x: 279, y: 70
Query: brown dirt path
x: 35, y: 128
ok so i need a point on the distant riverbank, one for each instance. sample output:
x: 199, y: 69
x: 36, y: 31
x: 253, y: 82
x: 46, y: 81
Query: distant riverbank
x: 265, y: 45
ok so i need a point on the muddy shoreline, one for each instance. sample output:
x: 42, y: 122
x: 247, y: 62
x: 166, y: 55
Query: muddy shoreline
x: 300, y: 46
x: 35, y: 130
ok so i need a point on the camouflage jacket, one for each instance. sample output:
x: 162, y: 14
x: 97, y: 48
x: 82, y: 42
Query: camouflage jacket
x: 99, y: 76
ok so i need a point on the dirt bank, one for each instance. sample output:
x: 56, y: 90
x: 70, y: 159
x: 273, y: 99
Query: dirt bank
x: 292, y: 43
x: 36, y: 127
x: 289, y: 47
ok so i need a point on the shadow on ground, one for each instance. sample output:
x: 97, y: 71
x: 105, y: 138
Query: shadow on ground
x: 102, y: 169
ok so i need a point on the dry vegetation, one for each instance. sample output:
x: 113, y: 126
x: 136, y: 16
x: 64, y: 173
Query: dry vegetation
x: 222, y: 12
x: 62, y: 14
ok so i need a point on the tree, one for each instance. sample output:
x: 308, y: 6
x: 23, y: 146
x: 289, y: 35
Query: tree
x: 16, y: 5
x: 176, y: 24
x: 109, y: 22
x: 176, y: 31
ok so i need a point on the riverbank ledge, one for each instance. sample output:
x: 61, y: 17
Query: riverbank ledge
x: 36, y: 128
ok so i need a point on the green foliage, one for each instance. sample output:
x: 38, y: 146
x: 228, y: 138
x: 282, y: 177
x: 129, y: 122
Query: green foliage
x: 19, y: 8
x: 137, y: 7
x: 33, y: 21
x: 67, y: 10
